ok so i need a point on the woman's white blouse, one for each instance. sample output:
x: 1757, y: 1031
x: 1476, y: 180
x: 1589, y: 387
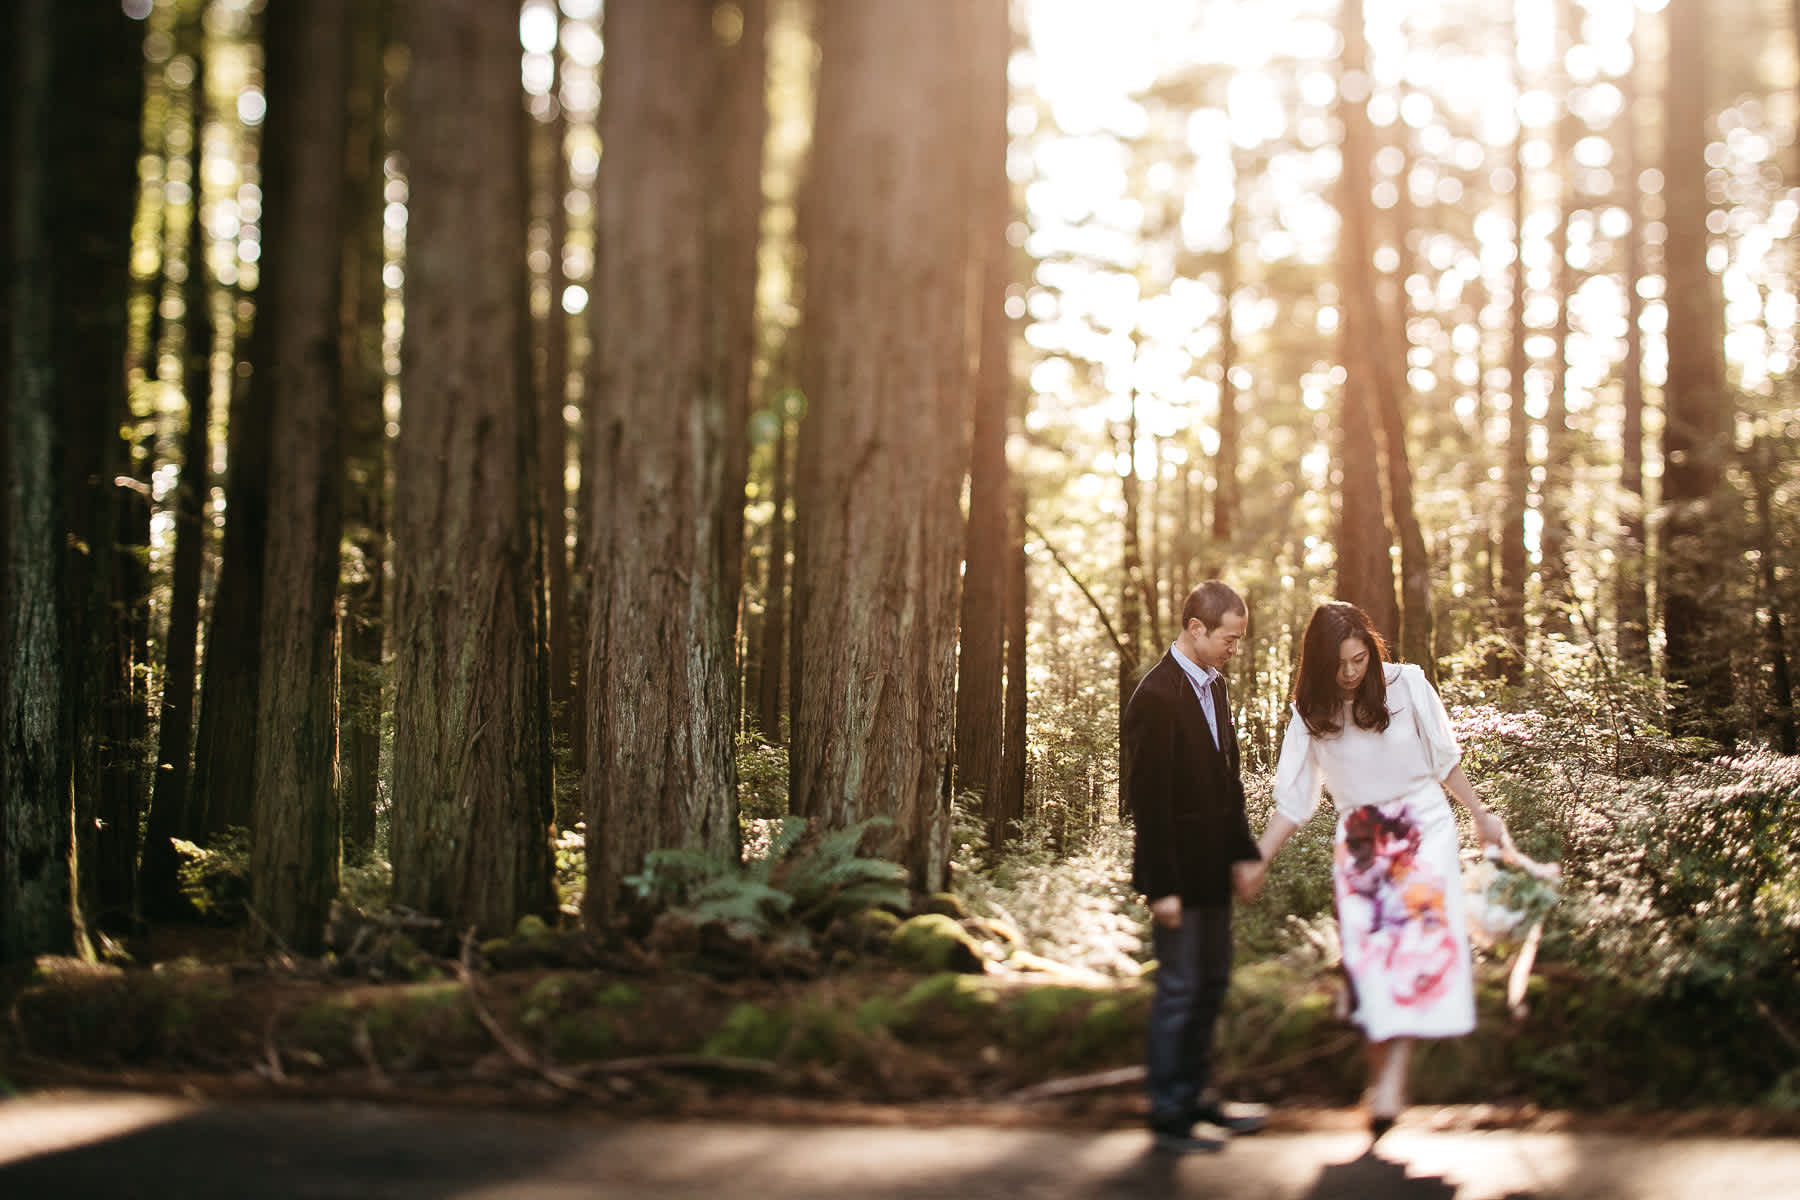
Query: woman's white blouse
x: 1363, y: 766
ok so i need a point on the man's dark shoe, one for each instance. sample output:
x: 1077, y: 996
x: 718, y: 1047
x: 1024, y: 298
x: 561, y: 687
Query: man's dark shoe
x: 1236, y: 1119
x: 1172, y: 1140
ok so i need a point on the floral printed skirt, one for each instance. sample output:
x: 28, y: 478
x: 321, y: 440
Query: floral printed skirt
x: 1395, y: 870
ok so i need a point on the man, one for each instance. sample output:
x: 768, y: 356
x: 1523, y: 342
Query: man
x: 1192, y: 840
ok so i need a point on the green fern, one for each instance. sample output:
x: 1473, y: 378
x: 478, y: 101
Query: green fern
x: 796, y: 883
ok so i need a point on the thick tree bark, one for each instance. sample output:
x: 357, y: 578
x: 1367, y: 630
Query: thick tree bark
x: 1365, y: 567
x: 1695, y: 563
x: 472, y: 803
x: 980, y: 715
x: 39, y: 913
x: 1630, y: 586
x: 671, y: 331
x: 884, y: 446
x: 364, y: 379
x: 295, y: 369
x: 94, y: 139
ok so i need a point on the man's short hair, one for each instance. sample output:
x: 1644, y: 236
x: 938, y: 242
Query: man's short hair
x: 1210, y: 602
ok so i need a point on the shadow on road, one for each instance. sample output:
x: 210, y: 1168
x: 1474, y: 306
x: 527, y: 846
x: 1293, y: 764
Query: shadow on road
x: 290, y: 1152
x: 1372, y: 1177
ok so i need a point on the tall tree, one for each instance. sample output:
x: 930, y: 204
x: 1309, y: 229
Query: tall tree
x: 472, y: 803
x: 980, y: 717
x: 1364, y: 546
x: 671, y: 330
x: 773, y: 634
x: 1393, y: 396
x: 1763, y: 460
x: 1697, y: 414
x: 884, y: 445
x: 1516, y: 470
x: 1009, y: 808
x: 553, y: 400
x: 1631, y: 584
x: 225, y: 738
x: 1553, y: 495
x: 1226, y: 488
x: 158, y: 892
x: 366, y: 459
x: 38, y: 908
x: 294, y: 371
x: 1131, y: 596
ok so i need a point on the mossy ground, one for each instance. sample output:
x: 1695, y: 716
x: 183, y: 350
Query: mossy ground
x: 869, y: 1033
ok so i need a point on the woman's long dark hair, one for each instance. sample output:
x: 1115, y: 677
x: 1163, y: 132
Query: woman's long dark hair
x: 1316, y: 692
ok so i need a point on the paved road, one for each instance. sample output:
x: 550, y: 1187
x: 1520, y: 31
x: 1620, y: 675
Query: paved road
x: 62, y: 1146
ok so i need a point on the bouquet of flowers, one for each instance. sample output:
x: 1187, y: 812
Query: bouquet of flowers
x: 1507, y: 893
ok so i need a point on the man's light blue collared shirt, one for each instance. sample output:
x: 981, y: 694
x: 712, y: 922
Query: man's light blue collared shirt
x: 1202, y: 679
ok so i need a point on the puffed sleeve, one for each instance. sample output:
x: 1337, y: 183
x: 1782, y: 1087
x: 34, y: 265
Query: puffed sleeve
x: 1442, y: 750
x: 1297, y: 782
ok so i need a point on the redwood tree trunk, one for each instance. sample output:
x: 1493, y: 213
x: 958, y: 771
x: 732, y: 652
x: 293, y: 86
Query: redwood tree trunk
x: 1695, y: 560
x: 38, y: 908
x: 775, y: 593
x: 1553, y: 497
x: 472, y: 803
x: 1510, y: 592
x: 294, y: 361
x: 364, y: 378
x: 169, y: 817
x: 884, y: 446
x: 553, y: 424
x: 1631, y: 584
x: 1013, y: 757
x: 1364, y: 545
x: 672, y: 316
x: 981, y: 664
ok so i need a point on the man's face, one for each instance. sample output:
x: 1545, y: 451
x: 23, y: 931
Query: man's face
x: 1214, y: 647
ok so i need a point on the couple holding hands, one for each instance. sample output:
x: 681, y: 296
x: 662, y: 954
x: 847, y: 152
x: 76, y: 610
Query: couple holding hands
x: 1375, y: 734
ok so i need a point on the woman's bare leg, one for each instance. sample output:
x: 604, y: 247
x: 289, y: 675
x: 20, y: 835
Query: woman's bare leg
x: 1388, y: 1062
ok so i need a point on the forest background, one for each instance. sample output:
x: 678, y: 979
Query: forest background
x: 487, y: 460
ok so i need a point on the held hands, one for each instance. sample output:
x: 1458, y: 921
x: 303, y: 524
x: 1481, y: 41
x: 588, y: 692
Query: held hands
x: 1166, y: 911
x: 1247, y: 878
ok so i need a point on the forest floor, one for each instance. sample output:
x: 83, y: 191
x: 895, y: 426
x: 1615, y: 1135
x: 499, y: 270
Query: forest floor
x: 566, y: 1026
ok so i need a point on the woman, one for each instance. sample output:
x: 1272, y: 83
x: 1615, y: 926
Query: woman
x: 1376, y: 734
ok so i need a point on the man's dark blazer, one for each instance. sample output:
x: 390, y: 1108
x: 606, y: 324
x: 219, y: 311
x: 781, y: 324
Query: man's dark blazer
x: 1187, y: 798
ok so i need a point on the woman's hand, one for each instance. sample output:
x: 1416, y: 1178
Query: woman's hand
x: 1247, y: 878
x: 1492, y: 830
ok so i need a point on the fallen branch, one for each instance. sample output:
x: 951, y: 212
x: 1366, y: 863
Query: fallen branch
x: 1075, y: 1084
x: 549, y: 1072
x: 1786, y: 1034
x: 678, y: 1062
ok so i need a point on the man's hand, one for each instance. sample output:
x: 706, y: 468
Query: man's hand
x: 1166, y: 911
x: 1247, y: 878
